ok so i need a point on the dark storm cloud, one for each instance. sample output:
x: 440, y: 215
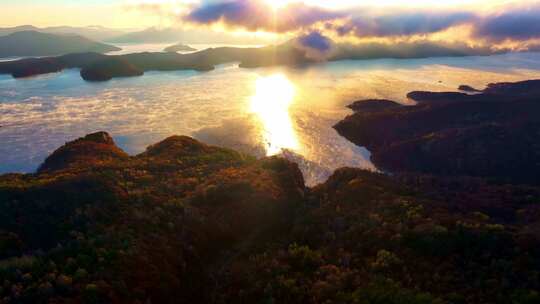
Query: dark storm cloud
x: 521, y: 24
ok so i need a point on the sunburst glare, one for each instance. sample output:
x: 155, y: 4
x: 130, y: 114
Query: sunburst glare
x: 273, y: 96
x: 276, y: 4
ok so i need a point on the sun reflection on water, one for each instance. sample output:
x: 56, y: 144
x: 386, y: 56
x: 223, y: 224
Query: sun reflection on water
x: 274, y: 95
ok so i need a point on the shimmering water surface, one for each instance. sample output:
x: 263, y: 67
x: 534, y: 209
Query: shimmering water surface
x: 267, y: 111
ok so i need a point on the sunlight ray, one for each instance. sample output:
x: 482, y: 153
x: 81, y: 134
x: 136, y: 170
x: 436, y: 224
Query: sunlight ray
x: 273, y: 96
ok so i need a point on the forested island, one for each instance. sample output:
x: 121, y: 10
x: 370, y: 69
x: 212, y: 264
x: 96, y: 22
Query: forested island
x: 179, y: 47
x: 296, y: 52
x: 493, y: 134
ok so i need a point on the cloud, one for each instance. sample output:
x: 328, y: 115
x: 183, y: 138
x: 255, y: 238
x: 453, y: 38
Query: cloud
x: 315, y: 40
x: 408, y: 49
x: 520, y: 24
x: 257, y: 15
x: 513, y: 22
x: 404, y: 24
x: 315, y: 45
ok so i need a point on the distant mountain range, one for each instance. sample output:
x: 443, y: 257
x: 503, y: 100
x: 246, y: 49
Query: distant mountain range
x: 33, y: 43
x: 191, y: 36
x: 149, y: 35
x: 97, y: 33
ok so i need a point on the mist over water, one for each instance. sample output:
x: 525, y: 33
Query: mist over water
x: 129, y: 48
x: 37, y: 115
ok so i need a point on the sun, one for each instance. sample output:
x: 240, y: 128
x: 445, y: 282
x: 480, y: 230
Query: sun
x: 277, y: 4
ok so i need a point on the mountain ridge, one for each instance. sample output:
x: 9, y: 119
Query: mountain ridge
x: 33, y: 43
x: 97, y: 33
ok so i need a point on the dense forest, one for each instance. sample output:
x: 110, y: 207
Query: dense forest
x: 185, y: 222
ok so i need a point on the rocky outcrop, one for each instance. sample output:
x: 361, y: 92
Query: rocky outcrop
x: 177, y: 147
x: 91, y: 150
x: 494, y: 134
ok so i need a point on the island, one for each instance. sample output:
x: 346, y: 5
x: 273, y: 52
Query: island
x: 291, y: 53
x: 110, y: 68
x: 495, y: 133
x: 179, y: 48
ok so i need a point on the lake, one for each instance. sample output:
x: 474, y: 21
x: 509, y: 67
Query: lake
x: 266, y: 111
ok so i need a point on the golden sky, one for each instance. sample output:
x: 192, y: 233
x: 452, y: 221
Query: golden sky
x: 492, y: 23
x: 124, y: 13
